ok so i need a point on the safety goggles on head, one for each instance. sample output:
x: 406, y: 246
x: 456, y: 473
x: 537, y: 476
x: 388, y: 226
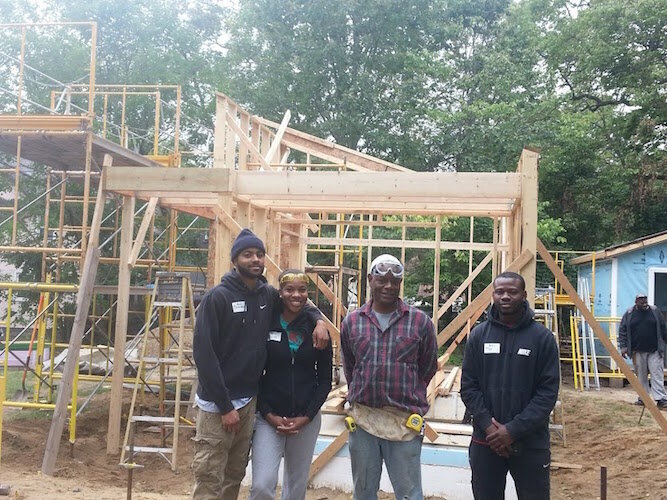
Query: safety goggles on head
x: 293, y: 277
x: 382, y: 268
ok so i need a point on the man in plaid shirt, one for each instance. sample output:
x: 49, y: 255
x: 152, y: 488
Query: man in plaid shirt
x: 389, y: 357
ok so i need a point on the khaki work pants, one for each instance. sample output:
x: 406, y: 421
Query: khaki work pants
x: 221, y: 457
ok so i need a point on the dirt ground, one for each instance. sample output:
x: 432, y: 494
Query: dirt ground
x: 601, y: 429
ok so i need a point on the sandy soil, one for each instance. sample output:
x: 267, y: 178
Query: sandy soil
x: 601, y: 429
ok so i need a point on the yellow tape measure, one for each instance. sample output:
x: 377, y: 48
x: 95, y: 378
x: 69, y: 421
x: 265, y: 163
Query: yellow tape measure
x: 415, y: 422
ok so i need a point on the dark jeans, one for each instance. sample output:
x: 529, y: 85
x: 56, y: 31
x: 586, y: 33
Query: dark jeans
x: 530, y: 471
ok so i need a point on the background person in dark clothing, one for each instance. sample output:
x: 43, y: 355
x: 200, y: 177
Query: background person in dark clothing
x: 642, y: 335
x: 509, y: 384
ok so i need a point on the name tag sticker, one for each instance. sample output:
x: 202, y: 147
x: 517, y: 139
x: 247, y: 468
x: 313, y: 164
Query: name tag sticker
x: 523, y: 352
x: 275, y: 336
x: 239, y: 307
x: 492, y: 348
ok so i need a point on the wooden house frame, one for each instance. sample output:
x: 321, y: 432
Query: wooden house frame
x: 286, y: 185
x: 254, y: 184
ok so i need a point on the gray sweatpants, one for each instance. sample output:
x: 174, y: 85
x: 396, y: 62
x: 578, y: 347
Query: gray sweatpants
x: 651, y: 362
x: 267, y: 449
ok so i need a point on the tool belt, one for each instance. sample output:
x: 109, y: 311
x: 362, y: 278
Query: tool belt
x: 386, y: 423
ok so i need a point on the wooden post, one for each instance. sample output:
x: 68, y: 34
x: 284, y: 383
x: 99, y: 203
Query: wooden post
x: 83, y: 298
x: 602, y: 336
x: 122, y: 309
x: 436, y: 270
x: 528, y: 165
x: 71, y: 363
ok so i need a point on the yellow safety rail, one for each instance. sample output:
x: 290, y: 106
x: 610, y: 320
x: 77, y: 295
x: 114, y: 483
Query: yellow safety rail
x: 43, y: 288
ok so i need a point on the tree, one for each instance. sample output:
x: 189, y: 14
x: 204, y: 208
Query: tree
x: 357, y: 72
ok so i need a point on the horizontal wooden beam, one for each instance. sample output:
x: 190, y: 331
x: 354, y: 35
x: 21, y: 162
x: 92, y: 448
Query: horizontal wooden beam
x: 444, y: 245
x: 389, y: 186
x: 483, y: 194
x: 162, y: 181
x: 384, y: 207
x: 375, y: 223
x: 205, y: 212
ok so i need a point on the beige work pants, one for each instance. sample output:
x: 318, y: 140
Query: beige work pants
x: 221, y: 457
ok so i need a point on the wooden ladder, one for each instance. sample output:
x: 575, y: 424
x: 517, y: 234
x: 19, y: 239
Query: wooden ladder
x: 171, y: 298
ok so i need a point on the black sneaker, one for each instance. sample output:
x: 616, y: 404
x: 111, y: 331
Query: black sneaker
x: 662, y: 404
x: 639, y: 402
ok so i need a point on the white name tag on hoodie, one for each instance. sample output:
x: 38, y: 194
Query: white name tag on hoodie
x: 492, y: 348
x: 239, y: 307
x: 275, y: 336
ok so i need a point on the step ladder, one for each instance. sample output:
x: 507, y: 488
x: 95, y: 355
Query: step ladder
x: 173, y: 303
x: 546, y: 313
x: 588, y: 351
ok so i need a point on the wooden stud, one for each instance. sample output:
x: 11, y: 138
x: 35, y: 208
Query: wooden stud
x: 528, y: 167
x: 219, y: 134
x: 436, y: 270
x: 230, y: 136
x: 243, y: 147
x: 243, y: 137
x: 122, y: 310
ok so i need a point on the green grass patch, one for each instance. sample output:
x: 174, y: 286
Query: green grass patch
x: 13, y: 382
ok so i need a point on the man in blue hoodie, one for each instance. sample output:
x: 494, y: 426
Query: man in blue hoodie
x: 509, y: 385
x: 229, y: 348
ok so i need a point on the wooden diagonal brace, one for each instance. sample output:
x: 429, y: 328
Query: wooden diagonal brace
x: 143, y: 228
x: 243, y: 136
x: 275, y: 145
x: 481, y: 301
x: 331, y: 450
x: 480, y: 267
